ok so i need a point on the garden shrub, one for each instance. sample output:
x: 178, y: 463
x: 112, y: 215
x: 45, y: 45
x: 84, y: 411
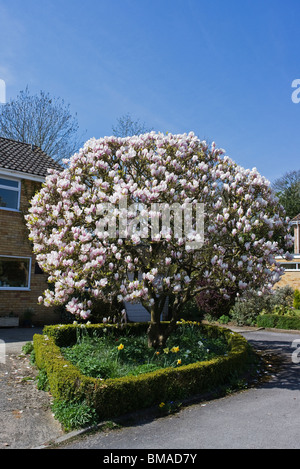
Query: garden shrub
x: 281, y: 313
x: 296, y: 302
x: 282, y: 297
x: 288, y: 322
x: 224, y: 319
x: 277, y: 321
x: 114, y: 397
x: 73, y: 414
x: 247, y: 308
x: 191, y: 311
x: 268, y: 321
x: 212, y: 302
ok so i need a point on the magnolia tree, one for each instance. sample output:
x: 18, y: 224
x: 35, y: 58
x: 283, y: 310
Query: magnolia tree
x: 151, y: 217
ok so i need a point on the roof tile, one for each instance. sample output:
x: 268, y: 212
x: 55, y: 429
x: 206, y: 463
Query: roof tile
x: 25, y: 158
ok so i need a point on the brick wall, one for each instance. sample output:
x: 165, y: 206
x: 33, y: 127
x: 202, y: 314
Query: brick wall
x: 14, y: 242
x: 290, y: 278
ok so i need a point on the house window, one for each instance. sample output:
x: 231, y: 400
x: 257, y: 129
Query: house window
x: 9, y: 194
x: 290, y: 266
x: 15, y: 273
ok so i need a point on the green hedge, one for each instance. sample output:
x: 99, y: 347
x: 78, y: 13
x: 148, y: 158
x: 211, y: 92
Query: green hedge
x: 115, y: 397
x: 66, y: 334
x: 278, y: 321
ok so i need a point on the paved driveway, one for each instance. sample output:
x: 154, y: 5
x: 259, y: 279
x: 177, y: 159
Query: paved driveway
x: 264, y: 417
x: 26, y: 420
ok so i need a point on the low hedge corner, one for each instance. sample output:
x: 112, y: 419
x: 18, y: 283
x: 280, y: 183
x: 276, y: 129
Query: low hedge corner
x: 116, y: 397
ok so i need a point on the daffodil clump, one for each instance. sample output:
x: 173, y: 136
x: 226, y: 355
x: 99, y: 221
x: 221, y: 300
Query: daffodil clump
x: 110, y: 357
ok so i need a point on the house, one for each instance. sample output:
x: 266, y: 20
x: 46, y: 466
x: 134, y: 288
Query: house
x: 291, y: 276
x: 23, y: 168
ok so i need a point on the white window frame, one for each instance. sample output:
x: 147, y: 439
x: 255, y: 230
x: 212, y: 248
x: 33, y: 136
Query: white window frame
x: 286, y: 269
x: 27, y: 288
x: 15, y: 189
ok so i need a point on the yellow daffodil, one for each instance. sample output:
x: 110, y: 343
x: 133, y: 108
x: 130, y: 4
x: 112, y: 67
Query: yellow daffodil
x: 120, y: 347
x: 179, y: 362
x: 162, y: 404
x: 175, y: 349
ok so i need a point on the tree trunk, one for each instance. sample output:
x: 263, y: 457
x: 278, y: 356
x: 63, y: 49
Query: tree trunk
x: 158, y: 333
x: 156, y: 336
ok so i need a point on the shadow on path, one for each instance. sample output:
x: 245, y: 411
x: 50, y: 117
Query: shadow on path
x: 286, y: 372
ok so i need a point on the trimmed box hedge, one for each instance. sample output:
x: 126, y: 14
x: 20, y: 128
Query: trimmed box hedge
x: 116, y: 397
x: 277, y: 321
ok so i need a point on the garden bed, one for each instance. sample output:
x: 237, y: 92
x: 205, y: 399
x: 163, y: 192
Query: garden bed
x: 112, y: 397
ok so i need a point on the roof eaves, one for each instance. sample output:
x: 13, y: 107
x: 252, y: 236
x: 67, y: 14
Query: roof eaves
x: 21, y: 175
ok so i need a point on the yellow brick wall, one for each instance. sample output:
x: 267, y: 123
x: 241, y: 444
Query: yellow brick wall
x: 14, y: 242
x: 290, y: 278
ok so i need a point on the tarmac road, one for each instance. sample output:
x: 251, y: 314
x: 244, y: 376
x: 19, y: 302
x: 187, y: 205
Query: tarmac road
x: 262, y: 417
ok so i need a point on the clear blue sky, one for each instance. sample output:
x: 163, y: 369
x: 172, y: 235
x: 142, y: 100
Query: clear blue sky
x: 221, y: 68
